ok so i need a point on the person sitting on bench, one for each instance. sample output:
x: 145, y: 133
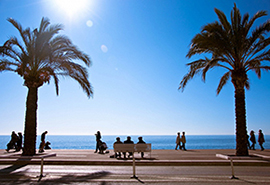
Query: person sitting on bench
x: 128, y: 141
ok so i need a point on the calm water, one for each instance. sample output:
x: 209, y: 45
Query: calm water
x: 158, y: 141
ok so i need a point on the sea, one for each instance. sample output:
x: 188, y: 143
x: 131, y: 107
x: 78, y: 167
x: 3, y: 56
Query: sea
x: 167, y: 142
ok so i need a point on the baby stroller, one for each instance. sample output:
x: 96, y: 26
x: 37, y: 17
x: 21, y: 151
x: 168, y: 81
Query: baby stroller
x: 102, y: 147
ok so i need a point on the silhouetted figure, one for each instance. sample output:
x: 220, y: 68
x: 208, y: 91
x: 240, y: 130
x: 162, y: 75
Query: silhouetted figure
x: 19, y: 142
x: 252, y: 139
x: 261, y: 140
x: 12, y: 143
x: 118, y: 141
x: 42, y: 143
x: 102, y: 146
x: 248, y: 143
x: 128, y: 141
x: 47, y: 146
x: 98, y: 137
x: 183, y: 140
x: 141, y: 142
x: 178, y: 141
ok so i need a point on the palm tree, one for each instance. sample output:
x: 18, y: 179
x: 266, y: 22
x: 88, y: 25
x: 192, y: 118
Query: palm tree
x: 238, y: 49
x: 44, y: 55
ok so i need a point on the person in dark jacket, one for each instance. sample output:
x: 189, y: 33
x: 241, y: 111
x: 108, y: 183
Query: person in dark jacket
x: 42, y: 143
x: 118, y: 141
x: 98, y: 140
x: 128, y: 141
x: 141, y: 141
x: 261, y: 140
x: 19, y: 142
x: 13, y: 141
x: 252, y: 139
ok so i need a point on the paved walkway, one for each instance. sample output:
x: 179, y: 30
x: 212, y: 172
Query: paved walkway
x: 155, y: 158
x: 161, y: 167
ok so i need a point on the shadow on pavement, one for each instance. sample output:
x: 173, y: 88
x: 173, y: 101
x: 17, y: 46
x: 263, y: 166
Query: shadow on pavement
x: 70, y: 179
x: 23, y: 178
x: 12, y: 168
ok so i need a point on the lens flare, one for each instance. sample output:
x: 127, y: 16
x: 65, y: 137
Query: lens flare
x: 72, y: 7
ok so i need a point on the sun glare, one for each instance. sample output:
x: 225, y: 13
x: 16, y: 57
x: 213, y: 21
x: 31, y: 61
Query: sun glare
x: 72, y: 7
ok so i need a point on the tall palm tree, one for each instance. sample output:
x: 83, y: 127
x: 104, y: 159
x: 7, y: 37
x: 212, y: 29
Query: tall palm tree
x: 43, y: 55
x: 238, y: 49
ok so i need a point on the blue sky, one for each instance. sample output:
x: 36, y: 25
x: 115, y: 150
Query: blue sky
x: 138, y: 50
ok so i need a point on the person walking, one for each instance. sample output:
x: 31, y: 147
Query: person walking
x: 183, y: 140
x: 252, y: 139
x: 178, y: 141
x: 19, y: 141
x: 98, y: 140
x: 248, y: 143
x: 261, y: 139
x: 42, y: 143
x: 13, y: 142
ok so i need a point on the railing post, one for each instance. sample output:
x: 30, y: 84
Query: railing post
x: 41, y: 168
x: 134, y: 167
x: 233, y: 177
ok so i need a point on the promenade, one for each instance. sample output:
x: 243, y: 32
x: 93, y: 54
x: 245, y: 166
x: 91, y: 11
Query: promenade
x: 72, y: 166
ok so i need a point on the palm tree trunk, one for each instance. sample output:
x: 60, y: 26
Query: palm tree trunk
x: 241, y: 128
x: 30, y: 130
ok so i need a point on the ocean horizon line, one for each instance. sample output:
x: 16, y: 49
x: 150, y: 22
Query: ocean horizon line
x: 157, y: 141
x: 132, y: 134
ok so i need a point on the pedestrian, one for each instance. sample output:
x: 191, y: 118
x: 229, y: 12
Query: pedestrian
x: 98, y: 140
x: 141, y: 141
x: 252, y: 139
x: 13, y: 141
x: 42, y: 143
x: 128, y: 141
x: 248, y: 143
x: 261, y: 139
x: 183, y: 140
x: 19, y: 142
x: 178, y: 141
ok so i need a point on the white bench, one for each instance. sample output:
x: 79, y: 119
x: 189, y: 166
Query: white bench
x: 132, y: 148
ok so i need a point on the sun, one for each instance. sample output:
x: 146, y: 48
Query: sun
x: 72, y: 7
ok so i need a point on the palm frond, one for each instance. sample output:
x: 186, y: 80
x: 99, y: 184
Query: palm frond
x: 255, y: 17
x: 232, y: 47
x: 6, y: 65
x: 223, y: 20
x: 45, y: 54
x: 223, y: 81
x: 45, y: 22
x: 247, y: 84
